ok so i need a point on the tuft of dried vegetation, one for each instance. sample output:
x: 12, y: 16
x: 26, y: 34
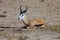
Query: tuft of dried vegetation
x: 42, y: 0
x: 5, y: 12
x: 0, y: 1
x: 2, y: 15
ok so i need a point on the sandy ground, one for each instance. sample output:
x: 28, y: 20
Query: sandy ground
x: 49, y: 10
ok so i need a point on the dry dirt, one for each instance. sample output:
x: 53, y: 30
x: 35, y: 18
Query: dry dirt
x: 49, y: 10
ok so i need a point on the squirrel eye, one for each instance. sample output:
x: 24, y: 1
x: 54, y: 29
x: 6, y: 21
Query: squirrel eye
x: 22, y: 15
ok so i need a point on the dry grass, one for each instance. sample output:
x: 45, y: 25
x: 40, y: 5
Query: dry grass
x: 55, y: 28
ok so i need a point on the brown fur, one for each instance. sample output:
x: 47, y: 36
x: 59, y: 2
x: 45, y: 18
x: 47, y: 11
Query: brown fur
x: 36, y: 22
x: 33, y: 22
